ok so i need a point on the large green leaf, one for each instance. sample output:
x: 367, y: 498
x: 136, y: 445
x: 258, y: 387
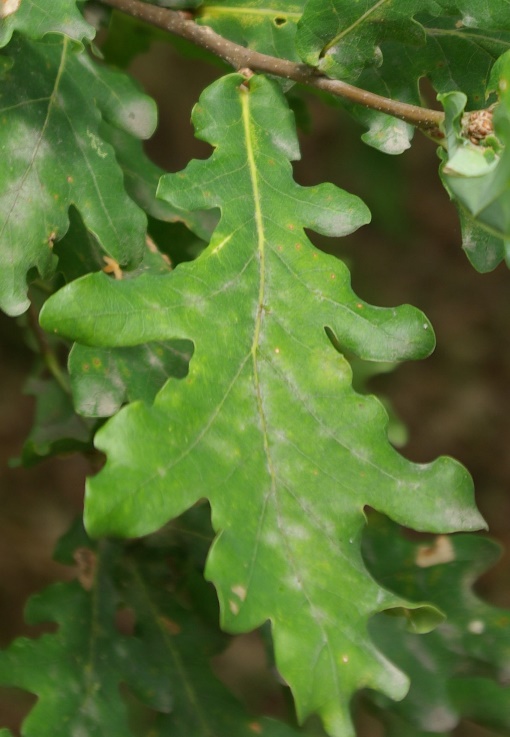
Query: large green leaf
x: 35, y: 19
x: 266, y: 424
x: 387, y: 47
x: 466, y: 656
x: 51, y: 103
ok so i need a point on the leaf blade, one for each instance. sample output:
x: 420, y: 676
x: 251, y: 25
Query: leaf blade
x: 55, y: 157
x: 266, y: 424
x: 388, y: 48
x: 468, y: 654
x: 35, y: 21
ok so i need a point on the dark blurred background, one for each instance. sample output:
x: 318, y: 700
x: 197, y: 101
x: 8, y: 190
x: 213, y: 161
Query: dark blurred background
x: 456, y: 402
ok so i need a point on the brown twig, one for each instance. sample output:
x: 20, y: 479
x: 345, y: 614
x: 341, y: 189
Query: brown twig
x: 240, y: 57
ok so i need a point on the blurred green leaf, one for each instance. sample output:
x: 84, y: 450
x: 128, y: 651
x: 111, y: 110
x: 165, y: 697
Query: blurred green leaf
x: 35, y: 19
x: 483, y: 701
x: 76, y: 672
x: 78, y: 251
x: 343, y: 38
x: 469, y: 653
x: 394, y: 726
x: 51, y: 103
x: 56, y: 427
x: 122, y: 622
x: 183, y: 644
x: 484, y: 250
x: 104, y: 379
x: 477, y: 174
x: 116, y: 50
x: 388, y: 48
x: 141, y: 178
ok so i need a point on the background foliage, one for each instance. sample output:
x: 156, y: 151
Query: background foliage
x: 236, y: 369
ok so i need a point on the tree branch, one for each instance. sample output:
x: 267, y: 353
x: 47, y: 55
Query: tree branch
x: 240, y: 57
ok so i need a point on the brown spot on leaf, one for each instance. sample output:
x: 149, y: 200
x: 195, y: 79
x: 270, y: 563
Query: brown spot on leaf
x: 86, y: 561
x: 441, y: 551
x: 170, y: 626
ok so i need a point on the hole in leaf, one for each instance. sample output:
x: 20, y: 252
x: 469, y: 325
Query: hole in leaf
x: 245, y: 663
x: 280, y: 21
x: 15, y: 704
x: 428, y: 94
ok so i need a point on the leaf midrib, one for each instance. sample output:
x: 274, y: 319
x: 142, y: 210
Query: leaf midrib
x: 157, y: 614
x: 353, y: 26
x: 272, y: 491
x: 464, y: 35
x: 51, y: 101
x: 216, y: 10
x: 261, y: 248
